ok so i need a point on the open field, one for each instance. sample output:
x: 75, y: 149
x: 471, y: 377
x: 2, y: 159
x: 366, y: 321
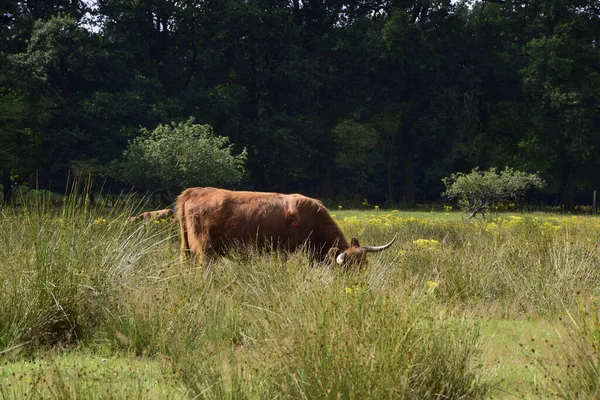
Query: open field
x: 95, y: 307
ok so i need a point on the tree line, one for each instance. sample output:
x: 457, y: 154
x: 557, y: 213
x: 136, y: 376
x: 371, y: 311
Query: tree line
x: 378, y: 99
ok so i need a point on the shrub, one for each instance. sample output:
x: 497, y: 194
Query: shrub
x: 478, y: 191
x: 180, y: 155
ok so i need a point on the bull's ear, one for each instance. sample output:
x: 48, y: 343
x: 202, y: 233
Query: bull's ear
x: 354, y: 242
x: 333, y: 253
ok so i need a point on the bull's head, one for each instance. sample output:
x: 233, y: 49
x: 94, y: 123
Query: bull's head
x: 355, y: 254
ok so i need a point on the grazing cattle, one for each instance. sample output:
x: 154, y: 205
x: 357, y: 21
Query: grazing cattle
x: 212, y: 220
x: 153, y: 215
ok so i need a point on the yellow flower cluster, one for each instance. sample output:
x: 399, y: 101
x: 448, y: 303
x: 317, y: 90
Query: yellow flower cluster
x: 391, y: 221
x: 550, y: 227
x: 540, y: 224
x: 384, y: 219
x: 100, y: 221
x: 430, y: 244
x: 355, y: 290
x: 525, y: 224
x: 493, y: 228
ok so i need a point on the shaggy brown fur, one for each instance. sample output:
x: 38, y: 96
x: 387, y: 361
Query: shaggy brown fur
x: 154, y: 215
x: 212, y: 220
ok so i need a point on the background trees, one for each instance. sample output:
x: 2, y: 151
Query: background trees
x: 377, y: 99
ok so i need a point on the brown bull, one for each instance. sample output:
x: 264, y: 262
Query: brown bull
x: 153, y: 215
x: 211, y: 220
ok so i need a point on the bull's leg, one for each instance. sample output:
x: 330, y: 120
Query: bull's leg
x: 185, y: 247
x: 188, y: 254
x: 204, y: 257
x: 204, y: 251
x: 193, y: 246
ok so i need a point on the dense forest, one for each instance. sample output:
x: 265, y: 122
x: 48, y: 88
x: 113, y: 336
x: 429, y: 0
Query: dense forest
x: 376, y: 99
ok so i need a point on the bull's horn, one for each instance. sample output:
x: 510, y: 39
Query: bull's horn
x: 370, y: 249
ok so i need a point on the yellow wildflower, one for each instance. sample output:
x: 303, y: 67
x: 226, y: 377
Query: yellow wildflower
x: 100, y: 220
x: 428, y: 243
x: 551, y: 227
x: 433, y: 284
x: 355, y: 290
x: 492, y: 227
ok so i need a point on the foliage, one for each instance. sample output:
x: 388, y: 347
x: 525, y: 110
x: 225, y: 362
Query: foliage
x: 352, y: 99
x: 17, y: 142
x: 478, y: 191
x: 562, y: 83
x: 173, y: 157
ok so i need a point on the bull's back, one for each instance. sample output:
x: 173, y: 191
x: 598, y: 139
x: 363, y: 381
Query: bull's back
x: 225, y: 216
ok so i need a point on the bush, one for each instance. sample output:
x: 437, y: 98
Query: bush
x: 478, y: 191
x: 173, y: 157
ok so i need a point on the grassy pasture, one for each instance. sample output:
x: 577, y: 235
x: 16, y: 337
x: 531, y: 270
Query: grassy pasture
x: 92, y: 306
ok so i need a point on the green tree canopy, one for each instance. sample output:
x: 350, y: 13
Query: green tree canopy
x: 180, y: 155
x: 477, y: 191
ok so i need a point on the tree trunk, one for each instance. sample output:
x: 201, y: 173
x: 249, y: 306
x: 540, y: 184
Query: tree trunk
x: 391, y: 192
x: 7, y: 184
x: 408, y: 169
x: 391, y: 198
x: 566, y: 190
x: 325, y: 189
x: 566, y: 196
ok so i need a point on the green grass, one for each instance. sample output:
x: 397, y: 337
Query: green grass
x: 371, y: 213
x: 92, y: 304
x: 80, y: 374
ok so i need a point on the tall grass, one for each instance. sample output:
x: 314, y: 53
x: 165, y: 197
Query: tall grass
x: 264, y: 326
x: 574, y: 370
x: 60, y: 268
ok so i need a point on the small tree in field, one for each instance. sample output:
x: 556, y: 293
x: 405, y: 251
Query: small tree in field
x: 180, y: 155
x: 478, y: 190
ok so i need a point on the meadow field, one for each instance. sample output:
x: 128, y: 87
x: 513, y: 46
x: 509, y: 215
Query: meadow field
x: 92, y: 306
